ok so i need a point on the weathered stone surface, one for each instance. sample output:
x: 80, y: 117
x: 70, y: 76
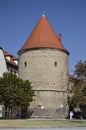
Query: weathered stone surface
x: 47, y: 69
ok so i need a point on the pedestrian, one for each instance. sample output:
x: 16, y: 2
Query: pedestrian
x: 71, y: 115
x: 17, y: 114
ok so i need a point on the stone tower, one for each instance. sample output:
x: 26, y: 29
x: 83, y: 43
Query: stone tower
x: 44, y: 61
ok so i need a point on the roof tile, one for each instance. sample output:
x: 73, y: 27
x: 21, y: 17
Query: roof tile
x: 43, y: 36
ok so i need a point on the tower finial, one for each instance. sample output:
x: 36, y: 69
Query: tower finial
x: 43, y: 14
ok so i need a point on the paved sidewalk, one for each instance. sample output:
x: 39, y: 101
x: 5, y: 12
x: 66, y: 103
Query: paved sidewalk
x: 78, y: 128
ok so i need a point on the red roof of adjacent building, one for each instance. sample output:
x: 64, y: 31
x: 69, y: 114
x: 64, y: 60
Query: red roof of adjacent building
x: 71, y: 77
x: 7, y: 54
x: 12, y: 56
x: 43, y: 36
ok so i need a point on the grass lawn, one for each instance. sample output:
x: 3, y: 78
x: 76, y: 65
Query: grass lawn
x: 41, y: 123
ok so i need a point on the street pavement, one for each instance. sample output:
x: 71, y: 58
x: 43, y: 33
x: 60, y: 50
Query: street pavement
x: 77, y: 128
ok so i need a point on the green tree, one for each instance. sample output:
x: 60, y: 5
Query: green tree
x: 15, y: 92
x: 7, y: 84
x: 79, y: 88
x: 24, y: 95
x: 80, y: 70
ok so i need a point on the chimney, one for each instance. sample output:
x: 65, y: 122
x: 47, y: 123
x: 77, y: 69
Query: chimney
x: 60, y: 37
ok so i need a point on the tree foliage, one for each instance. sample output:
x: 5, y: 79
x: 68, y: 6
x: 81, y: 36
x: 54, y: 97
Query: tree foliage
x: 15, y: 92
x: 79, y: 88
x: 80, y: 70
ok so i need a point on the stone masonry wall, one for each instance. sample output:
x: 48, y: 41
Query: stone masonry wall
x: 47, y: 69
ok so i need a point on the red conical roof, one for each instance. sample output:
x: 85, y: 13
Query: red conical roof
x: 43, y: 36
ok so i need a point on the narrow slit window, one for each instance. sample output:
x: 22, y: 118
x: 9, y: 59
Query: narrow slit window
x: 11, y: 71
x: 55, y: 64
x: 25, y: 64
x: 14, y: 72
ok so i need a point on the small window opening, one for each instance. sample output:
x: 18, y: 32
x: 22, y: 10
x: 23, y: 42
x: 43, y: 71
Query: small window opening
x: 39, y: 105
x: 11, y: 71
x: 55, y: 64
x: 53, y: 83
x: 25, y: 64
x: 14, y: 72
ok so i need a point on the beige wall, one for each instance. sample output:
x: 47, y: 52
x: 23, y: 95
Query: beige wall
x: 3, y: 67
x: 41, y: 70
x: 50, y: 82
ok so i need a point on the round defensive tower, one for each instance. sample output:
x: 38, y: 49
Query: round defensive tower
x: 44, y: 61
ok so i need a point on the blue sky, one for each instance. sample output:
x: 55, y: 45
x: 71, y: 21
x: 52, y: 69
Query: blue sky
x: 19, y: 17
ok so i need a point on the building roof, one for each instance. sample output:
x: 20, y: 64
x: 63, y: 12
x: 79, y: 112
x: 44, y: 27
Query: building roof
x: 7, y: 54
x: 13, y: 58
x: 43, y: 36
x: 71, y: 77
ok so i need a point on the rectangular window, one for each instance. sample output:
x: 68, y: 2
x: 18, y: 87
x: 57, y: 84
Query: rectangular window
x: 14, y: 72
x: 25, y: 64
x: 55, y: 64
x: 11, y: 71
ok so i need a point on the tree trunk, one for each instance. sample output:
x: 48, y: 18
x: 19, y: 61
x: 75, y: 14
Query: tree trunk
x: 6, y: 111
x: 11, y: 111
x: 24, y: 112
